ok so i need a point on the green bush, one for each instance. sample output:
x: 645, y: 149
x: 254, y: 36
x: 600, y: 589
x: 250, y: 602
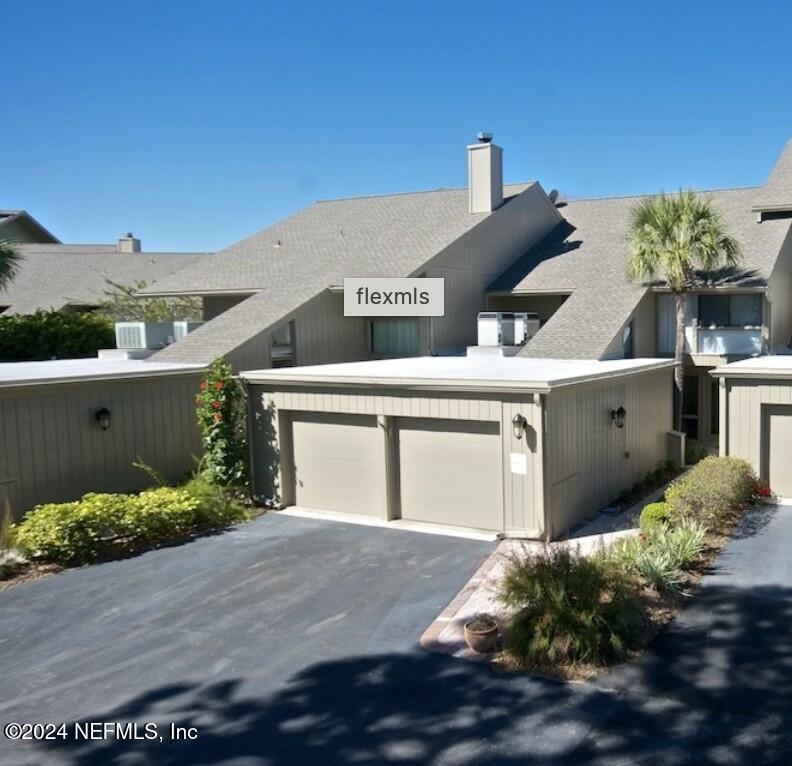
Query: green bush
x: 53, y: 335
x: 570, y: 609
x: 73, y: 533
x: 90, y: 529
x: 660, y: 555
x: 711, y: 489
x: 221, y: 420
x: 654, y: 514
x: 694, y: 452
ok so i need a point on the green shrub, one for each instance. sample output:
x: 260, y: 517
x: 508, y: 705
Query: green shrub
x: 711, y: 489
x: 570, y: 609
x: 660, y: 555
x: 53, y: 335
x: 221, y: 420
x: 90, y: 529
x: 215, y: 505
x: 694, y: 452
x: 654, y: 514
x: 73, y: 533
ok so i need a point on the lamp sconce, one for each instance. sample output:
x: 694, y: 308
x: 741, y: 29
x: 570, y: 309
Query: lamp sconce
x: 518, y: 426
x: 102, y: 417
x: 617, y: 416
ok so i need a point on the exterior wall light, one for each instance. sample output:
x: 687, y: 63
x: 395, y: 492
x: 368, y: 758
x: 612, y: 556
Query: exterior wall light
x: 617, y: 416
x: 518, y: 426
x: 103, y: 418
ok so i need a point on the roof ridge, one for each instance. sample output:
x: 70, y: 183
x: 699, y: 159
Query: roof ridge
x: 657, y: 194
x: 410, y: 193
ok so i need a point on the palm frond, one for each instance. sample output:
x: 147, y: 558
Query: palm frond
x: 9, y: 263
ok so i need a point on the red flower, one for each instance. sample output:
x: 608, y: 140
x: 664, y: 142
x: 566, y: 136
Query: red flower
x: 219, y: 385
x: 218, y: 417
x: 216, y: 405
x: 203, y: 386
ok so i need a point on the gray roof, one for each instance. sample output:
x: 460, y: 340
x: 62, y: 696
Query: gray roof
x: 296, y: 259
x: 54, y: 276
x: 777, y: 194
x: 26, y: 221
x: 586, y: 256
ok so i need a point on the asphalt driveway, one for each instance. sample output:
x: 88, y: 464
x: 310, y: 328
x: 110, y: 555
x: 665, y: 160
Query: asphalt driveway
x: 293, y: 641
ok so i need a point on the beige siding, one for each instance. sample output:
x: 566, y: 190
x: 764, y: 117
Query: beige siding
x: 522, y: 494
x: 543, y: 305
x: 322, y: 335
x: 214, y: 305
x: 743, y: 409
x: 51, y: 448
x: 644, y: 320
x: 779, y: 296
x: 471, y: 263
x: 589, y: 460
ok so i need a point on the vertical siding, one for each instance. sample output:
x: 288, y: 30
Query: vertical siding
x: 744, y: 405
x: 522, y: 512
x: 52, y: 450
x: 471, y: 263
x: 589, y: 460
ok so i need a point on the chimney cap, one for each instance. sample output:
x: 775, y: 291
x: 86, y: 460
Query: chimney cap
x: 483, y: 137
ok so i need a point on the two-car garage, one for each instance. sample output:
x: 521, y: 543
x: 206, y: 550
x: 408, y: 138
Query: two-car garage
x: 520, y: 446
x: 447, y: 471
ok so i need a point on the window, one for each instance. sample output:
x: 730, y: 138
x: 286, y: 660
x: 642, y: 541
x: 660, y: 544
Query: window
x: 690, y: 406
x: 738, y: 310
x: 395, y: 337
x: 628, y: 341
x: 282, y: 346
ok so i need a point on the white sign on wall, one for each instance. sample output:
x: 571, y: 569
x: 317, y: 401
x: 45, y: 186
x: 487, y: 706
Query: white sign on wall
x: 519, y: 463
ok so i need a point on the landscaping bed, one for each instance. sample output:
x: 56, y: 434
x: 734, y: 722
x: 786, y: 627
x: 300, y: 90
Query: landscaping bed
x: 572, y: 616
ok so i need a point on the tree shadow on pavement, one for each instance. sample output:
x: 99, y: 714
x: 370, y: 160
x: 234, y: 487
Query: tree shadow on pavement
x: 715, y: 688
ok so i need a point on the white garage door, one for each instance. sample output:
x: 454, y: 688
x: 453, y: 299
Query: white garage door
x: 778, y: 444
x: 450, y: 472
x: 339, y: 463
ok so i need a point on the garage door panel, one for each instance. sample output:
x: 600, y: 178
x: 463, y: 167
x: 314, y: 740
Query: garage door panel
x: 339, y: 463
x: 450, y: 472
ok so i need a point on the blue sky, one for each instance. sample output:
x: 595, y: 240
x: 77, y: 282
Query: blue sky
x: 195, y: 124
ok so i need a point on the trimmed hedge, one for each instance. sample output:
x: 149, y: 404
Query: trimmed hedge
x: 711, y: 489
x: 53, y: 335
x: 100, y: 524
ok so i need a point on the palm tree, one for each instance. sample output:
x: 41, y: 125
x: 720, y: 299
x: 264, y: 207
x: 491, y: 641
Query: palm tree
x: 674, y: 238
x: 9, y: 263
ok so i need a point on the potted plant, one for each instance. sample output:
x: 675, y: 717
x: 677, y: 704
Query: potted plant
x: 481, y: 633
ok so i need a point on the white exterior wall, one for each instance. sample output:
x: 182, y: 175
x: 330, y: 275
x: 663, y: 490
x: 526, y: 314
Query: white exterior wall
x: 52, y: 449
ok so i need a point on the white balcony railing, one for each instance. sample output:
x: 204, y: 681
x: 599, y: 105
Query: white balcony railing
x: 726, y: 341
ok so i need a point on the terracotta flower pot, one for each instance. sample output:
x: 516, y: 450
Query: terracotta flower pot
x: 481, y: 635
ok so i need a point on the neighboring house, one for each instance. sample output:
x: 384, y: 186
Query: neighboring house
x: 276, y: 298
x: 77, y: 425
x: 74, y: 277
x: 20, y: 226
x: 576, y: 279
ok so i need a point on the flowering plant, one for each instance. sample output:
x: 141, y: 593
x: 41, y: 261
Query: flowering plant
x: 221, y: 419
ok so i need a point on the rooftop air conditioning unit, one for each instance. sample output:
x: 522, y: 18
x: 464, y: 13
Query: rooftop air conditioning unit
x: 504, y: 328
x: 152, y: 335
x: 181, y: 328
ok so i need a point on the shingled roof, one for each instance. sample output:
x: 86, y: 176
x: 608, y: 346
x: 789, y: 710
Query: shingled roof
x: 294, y: 260
x: 55, y: 276
x: 586, y: 257
x: 777, y: 194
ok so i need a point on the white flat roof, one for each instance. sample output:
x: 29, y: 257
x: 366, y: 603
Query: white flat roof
x: 73, y: 370
x: 471, y: 372
x: 775, y: 366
